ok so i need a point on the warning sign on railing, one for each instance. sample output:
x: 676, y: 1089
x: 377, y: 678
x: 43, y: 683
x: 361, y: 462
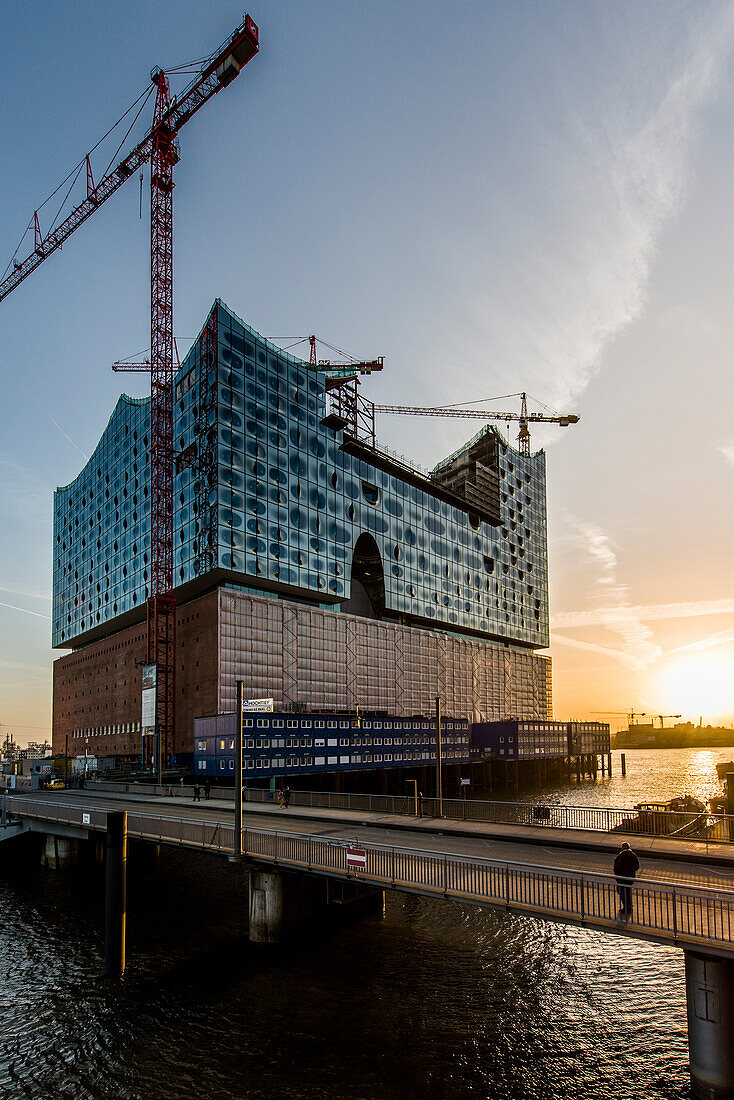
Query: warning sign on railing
x: 357, y: 858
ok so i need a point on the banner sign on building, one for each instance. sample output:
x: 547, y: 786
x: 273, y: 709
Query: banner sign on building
x: 263, y: 706
x: 148, y: 718
x: 148, y: 698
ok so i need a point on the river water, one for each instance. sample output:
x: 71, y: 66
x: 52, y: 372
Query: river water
x: 428, y: 1000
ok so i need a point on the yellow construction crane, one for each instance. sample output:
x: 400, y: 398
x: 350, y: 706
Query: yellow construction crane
x: 630, y: 715
x: 524, y: 418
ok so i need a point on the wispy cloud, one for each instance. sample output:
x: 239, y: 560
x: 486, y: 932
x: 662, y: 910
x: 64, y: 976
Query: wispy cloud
x: 67, y: 436
x: 727, y: 450
x: 24, y: 611
x: 22, y: 493
x: 581, y: 277
x: 601, y: 616
x: 28, y: 595
x: 616, y: 613
x: 711, y: 641
x: 624, y: 658
x: 19, y: 667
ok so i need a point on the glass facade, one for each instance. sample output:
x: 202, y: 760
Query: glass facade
x: 285, y: 506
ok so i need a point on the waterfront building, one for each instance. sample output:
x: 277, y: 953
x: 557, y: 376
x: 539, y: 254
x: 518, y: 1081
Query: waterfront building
x: 533, y: 739
x: 308, y: 562
x: 315, y: 744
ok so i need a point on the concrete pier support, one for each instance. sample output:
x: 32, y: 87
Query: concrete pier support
x: 710, y: 1001
x: 282, y: 902
x: 59, y: 852
x: 267, y: 906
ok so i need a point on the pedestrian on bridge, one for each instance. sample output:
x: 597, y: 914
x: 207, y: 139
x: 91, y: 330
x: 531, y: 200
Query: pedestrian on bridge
x: 626, y: 866
x: 286, y: 796
x: 207, y: 789
x: 197, y: 792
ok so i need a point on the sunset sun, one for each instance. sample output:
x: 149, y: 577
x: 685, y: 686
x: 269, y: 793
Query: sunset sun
x: 698, y: 685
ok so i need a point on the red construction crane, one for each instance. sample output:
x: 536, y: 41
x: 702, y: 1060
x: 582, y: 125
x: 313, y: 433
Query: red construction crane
x: 159, y: 146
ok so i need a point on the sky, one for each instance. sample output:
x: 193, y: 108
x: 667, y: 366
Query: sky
x: 496, y: 197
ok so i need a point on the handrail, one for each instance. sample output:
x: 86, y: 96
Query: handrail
x: 717, y: 828
x: 338, y: 842
x: 665, y: 911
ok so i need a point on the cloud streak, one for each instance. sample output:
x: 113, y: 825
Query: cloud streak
x: 617, y: 614
x: 583, y: 276
x: 601, y: 616
x: 727, y: 450
x: 23, y: 494
x: 25, y: 611
x: 627, y: 659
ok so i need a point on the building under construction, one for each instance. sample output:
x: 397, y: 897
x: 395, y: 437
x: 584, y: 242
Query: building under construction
x: 308, y: 562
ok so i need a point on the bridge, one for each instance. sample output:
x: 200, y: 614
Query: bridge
x: 683, y: 896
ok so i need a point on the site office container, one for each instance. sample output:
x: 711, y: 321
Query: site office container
x: 287, y: 743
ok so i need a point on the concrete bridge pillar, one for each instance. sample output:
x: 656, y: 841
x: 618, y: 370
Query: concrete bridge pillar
x: 59, y: 852
x: 283, y: 901
x: 267, y: 906
x: 710, y: 1000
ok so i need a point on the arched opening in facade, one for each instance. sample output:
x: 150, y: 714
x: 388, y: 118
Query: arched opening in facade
x: 367, y: 596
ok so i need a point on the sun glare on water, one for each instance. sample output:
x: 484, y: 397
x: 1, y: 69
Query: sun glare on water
x: 698, y: 685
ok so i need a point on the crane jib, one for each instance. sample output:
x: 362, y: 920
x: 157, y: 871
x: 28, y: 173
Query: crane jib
x: 221, y: 68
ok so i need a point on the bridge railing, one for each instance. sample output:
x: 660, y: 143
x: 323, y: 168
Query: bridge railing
x: 667, y: 911
x: 691, y: 826
x: 688, y: 826
x: 663, y: 910
x: 195, y: 832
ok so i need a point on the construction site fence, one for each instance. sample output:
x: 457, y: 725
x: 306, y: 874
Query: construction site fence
x: 696, y: 826
x: 667, y: 912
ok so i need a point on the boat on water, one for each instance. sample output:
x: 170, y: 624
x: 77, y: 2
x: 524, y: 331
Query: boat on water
x: 723, y: 768
x: 680, y: 816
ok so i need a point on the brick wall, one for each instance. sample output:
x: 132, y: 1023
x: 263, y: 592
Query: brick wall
x: 98, y: 688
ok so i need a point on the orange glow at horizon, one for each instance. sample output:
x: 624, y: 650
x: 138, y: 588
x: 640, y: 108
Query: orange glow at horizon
x: 697, y: 684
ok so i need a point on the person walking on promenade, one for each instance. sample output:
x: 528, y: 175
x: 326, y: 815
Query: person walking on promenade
x: 197, y: 792
x: 286, y: 796
x: 207, y: 789
x: 280, y: 797
x: 626, y: 866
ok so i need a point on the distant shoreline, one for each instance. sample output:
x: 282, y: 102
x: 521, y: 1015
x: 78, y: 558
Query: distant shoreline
x: 690, y: 737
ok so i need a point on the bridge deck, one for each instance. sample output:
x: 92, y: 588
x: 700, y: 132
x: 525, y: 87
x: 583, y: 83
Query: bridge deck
x: 683, y: 902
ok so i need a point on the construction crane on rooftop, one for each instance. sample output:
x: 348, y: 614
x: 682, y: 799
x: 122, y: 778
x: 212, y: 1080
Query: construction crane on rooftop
x: 159, y: 147
x: 524, y: 418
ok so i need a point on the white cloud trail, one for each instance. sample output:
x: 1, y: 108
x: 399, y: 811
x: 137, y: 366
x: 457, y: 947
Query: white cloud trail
x: 617, y: 614
x: 25, y: 611
x: 601, y: 616
x: 582, y: 276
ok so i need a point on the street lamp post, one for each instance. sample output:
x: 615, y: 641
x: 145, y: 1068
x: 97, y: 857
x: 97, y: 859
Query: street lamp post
x: 439, y: 774
x: 236, y: 856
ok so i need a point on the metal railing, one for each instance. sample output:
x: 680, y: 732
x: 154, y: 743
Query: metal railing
x: 688, y: 826
x: 694, y: 826
x: 213, y: 836
x: 664, y: 911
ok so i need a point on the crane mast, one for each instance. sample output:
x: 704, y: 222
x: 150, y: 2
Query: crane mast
x: 160, y: 148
